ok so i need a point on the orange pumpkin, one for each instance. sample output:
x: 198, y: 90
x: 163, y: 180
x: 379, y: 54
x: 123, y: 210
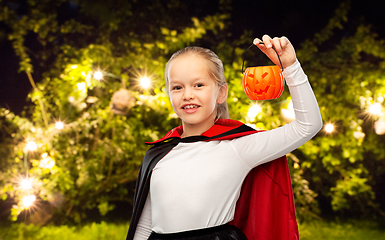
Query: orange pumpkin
x: 263, y: 83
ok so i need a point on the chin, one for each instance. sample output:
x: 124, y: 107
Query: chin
x: 197, y: 122
x: 190, y: 122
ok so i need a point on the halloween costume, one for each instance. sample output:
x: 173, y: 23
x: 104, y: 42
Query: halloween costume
x: 196, y: 181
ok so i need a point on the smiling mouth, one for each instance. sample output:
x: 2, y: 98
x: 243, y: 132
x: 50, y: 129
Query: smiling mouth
x: 192, y: 106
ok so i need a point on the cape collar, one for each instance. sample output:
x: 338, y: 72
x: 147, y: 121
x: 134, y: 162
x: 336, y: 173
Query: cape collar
x: 223, y: 129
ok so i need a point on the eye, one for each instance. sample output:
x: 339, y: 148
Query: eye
x: 176, y: 88
x: 199, y: 85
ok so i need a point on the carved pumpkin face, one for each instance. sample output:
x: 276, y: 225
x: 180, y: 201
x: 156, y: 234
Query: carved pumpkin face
x: 263, y: 83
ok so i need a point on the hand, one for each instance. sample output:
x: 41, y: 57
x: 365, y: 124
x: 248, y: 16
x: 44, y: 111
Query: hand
x: 283, y: 46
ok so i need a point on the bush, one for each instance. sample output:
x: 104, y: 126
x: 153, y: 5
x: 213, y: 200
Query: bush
x: 352, y: 230
x: 95, y: 231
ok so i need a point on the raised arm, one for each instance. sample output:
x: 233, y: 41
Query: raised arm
x: 265, y: 146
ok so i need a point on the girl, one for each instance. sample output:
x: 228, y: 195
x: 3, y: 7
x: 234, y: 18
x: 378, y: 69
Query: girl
x: 191, y: 179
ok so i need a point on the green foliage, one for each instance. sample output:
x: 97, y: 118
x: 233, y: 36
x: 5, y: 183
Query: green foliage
x: 347, y: 79
x: 305, y: 205
x: 315, y: 230
x: 101, y: 231
x: 355, y: 230
x: 90, y: 163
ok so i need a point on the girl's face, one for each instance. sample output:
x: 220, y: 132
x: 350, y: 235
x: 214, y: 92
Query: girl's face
x: 194, y: 94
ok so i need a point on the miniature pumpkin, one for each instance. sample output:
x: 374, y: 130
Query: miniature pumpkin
x: 122, y: 102
x: 263, y: 83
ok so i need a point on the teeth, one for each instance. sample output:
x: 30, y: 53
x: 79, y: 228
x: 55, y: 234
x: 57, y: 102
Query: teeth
x: 190, y: 106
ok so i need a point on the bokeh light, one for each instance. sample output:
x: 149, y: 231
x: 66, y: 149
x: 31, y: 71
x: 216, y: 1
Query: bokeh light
x: 329, y: 128
x: 379, y: 127
x: 26, y: 184
x: 288, y: 114
x: 82, y: 87
x: 145, y: 82
x: 47, y: 162
x: 31, y: 146
x: 375, y: 109
x: 59, y: 125
x: 98, y: 75
x: 28, y: 201
x: 254, y: 111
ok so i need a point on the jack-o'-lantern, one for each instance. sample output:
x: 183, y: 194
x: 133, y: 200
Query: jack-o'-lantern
x: 122, y: 102
x: 263, y: 83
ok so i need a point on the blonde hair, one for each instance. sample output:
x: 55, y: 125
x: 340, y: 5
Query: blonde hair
x: 215, y: 69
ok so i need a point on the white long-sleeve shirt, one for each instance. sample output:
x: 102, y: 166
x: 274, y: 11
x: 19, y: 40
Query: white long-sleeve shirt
x: 196, y: 185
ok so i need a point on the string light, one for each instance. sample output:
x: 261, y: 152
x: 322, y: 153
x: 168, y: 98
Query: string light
x: 28, y: 201
x: 31, y: 146
x: 254, y: 111
x: 26, y: 184
x: 59, y: 125
x: 329, y: 128
x: 375, y: 109
x: 98, y: 75
x: 145, y: 82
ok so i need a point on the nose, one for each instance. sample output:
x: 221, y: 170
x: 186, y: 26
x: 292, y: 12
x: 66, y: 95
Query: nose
x: 188, y: 94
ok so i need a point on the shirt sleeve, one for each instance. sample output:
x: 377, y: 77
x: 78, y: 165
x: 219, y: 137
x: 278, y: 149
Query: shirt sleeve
x: 258, y: 148
x: 143, y: 230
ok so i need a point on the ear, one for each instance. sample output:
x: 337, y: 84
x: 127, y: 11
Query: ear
x: 222, y: 94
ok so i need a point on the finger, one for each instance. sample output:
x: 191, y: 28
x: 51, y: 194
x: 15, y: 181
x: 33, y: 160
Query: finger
x: 284, y: 41
x: 261, y: 45
x: 277, y: 45
x: 257, y: 41
x: 267, y: 41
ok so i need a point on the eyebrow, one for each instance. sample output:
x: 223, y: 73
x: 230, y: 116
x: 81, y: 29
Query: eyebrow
x: 194, y: 79
x: 173, y: 81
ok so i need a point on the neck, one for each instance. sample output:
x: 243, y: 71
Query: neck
x: 195, y: 129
